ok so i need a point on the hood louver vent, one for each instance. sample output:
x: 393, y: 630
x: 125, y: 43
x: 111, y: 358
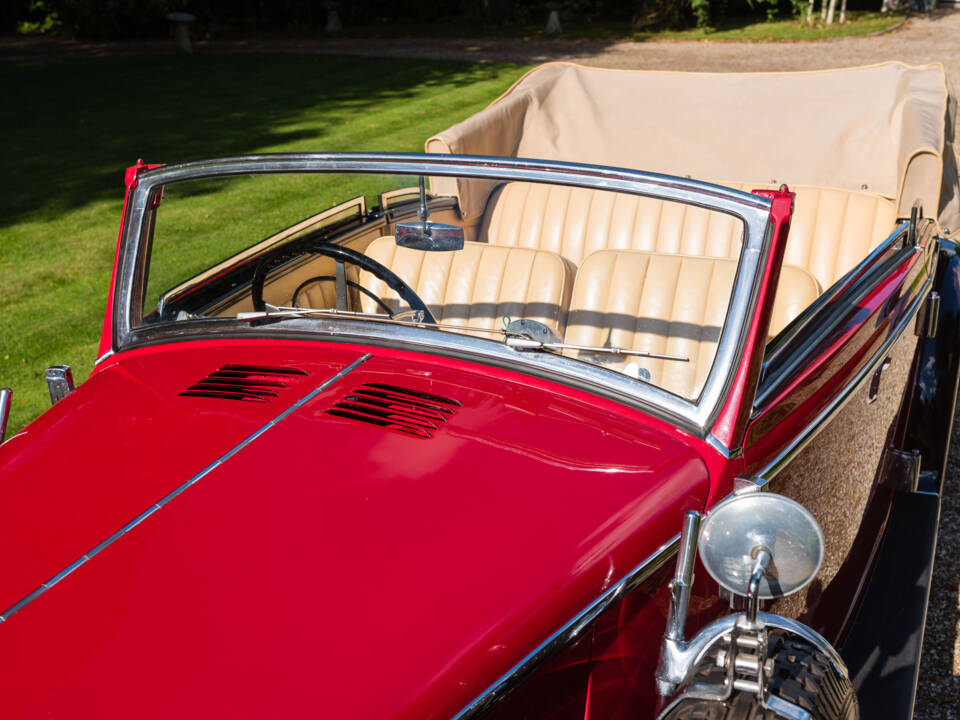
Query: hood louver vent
x: 411, y: 412
x: 250, y: 383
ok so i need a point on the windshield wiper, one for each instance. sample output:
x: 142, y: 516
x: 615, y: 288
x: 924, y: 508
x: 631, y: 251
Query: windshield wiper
x: 406, y: 318
x: 513, y: 339
x: 523, y: 343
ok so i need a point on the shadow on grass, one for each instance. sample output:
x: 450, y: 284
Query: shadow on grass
x: 70, y: 128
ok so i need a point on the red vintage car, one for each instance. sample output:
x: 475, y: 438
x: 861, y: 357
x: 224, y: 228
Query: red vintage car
x: 493, y: 437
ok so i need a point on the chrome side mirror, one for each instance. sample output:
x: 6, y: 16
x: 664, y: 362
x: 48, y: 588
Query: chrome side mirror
x: 761, y: 546
x: 756, y: 545
x: 59, y: 382
x: 426, y: 235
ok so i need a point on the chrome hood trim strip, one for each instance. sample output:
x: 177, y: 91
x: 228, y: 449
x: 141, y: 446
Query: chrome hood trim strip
x: 571, y: 631
x: 179, y: 490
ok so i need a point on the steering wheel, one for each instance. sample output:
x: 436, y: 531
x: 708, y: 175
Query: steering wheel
x: 341, y: 255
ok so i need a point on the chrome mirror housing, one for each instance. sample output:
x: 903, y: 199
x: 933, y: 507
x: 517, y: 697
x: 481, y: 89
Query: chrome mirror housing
x: 429, y: 236
x: 761, y: 545
x: 426, y: 235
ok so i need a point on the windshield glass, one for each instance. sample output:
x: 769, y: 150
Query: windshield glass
x: 635, y: 284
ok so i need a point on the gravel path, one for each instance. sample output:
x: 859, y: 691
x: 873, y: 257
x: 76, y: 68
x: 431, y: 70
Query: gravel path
x: 921, y: 40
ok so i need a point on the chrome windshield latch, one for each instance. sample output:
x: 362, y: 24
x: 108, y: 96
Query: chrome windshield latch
x: 59, y: 382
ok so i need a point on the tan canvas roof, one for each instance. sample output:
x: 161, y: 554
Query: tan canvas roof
x: 885, y: 128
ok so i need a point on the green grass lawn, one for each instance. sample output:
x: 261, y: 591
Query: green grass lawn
x: 71, y: 127
x: 746, y: 28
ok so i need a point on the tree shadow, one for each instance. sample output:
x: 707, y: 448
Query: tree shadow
x: 71, y: 127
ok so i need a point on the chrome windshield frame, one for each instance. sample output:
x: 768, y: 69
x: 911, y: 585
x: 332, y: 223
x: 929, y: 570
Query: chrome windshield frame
x: 696, y: 416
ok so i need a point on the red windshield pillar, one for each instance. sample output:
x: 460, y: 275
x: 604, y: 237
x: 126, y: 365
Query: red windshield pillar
x: 731, y: 423
x: 130, y: 180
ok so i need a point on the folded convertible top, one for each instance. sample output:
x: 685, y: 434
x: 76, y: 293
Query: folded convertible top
x: 886, y: 128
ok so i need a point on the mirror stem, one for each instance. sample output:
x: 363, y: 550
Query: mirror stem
x: 761, y: 560
x: 683, y: 580
x: 423, y: 212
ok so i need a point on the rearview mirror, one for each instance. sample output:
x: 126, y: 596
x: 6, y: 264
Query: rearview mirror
x: 429, y: 236
x: 426, y: 235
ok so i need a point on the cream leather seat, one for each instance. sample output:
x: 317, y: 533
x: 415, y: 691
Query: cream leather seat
x: 830, y: 232
x: 666, y: 303
x: 478, y: 285
x: 576, y: 222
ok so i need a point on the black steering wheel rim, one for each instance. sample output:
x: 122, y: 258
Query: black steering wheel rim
x: 343, y: 254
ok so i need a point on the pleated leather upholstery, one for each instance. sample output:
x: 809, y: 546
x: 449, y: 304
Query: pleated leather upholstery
x: 576, y: 222
x: 476, y: 286
x: 830, y: 232
x: 669, y: 304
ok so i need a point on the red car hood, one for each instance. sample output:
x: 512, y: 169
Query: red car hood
x: 329, y: 566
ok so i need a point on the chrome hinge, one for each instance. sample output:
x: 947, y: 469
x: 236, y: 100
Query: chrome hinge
x: 900, y: 469
x: 6, y: 395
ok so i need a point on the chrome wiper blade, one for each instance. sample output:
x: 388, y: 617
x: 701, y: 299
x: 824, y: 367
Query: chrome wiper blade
x: 524, y: 343
x: 407, y: 318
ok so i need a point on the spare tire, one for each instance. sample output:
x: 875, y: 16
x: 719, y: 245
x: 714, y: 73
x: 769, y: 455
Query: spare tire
x: 802, y: 675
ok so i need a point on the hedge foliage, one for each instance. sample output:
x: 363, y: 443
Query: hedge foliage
x: 117, y: 19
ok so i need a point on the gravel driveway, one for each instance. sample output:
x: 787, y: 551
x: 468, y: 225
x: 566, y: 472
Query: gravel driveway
x: 921, y: 40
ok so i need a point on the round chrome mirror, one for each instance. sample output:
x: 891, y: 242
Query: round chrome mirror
x: 737, y: 529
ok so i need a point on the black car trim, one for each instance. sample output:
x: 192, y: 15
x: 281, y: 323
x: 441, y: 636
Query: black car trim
x: 890, y: 621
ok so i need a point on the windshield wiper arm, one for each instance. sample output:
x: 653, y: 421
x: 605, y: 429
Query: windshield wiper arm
x: 513, y: 339
x: 524, y: 343
x: 407, y: 318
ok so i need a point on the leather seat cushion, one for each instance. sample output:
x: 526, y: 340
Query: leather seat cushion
x: 669, y: 304
x: 478, y: 285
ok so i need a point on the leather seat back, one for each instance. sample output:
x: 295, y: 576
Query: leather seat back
x: 830, y: 232
x: 576, y: 222
x: 668, y: 304
x: 476, y: 286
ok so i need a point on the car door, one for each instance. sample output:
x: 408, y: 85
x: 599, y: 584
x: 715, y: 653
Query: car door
x: 824, y: 427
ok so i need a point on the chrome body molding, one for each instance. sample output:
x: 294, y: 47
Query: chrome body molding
x: 96, y: 550
x: 571, y: 631
x: 763, y: 476
x: 108, y: 354
x: 697, y: 416
x: 6, y: 396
